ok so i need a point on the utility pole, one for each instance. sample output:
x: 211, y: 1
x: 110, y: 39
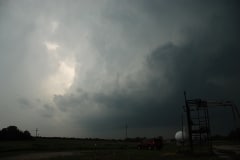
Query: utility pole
x: 36, y: 132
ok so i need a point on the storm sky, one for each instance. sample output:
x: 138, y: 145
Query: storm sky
x: 86, y: 68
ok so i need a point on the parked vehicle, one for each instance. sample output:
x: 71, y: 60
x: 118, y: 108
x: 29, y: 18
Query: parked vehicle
x: 151, y: 144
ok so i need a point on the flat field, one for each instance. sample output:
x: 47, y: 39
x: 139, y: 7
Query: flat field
x: 75, y: 149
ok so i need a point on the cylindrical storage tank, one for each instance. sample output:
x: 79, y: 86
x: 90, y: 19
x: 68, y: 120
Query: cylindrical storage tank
x: 180, y: 136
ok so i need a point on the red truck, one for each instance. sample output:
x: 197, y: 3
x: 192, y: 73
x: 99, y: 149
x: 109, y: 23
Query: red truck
x: 151, y: 144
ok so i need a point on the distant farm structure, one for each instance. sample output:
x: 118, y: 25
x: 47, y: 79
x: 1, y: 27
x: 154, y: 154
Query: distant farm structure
x: 198, y: 124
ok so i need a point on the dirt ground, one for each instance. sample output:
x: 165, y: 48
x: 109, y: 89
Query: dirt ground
x: 227, y: 151
x: 38, y: 156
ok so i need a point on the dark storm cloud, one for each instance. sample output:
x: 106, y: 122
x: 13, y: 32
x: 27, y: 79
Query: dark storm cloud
x: 205, y: 64
x: 71, y: 101
x: 122, y: 62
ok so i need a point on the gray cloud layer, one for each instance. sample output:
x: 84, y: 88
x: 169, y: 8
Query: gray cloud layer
x: 133, y: 60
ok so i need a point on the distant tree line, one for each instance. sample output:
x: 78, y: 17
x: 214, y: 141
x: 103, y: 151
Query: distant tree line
x: 13, y: 133
x: 140, y: 139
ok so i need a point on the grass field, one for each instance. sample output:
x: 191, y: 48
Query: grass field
x: 43, y: 144
x: 73, y: 149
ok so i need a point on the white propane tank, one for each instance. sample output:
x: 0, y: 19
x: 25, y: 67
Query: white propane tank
x: 180, y: 136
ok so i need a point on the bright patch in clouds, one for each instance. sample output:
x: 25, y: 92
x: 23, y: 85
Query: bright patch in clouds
x: 62, y: 79
x: 62, y: 76
x: 51, y: 46
x: 66, y: 74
